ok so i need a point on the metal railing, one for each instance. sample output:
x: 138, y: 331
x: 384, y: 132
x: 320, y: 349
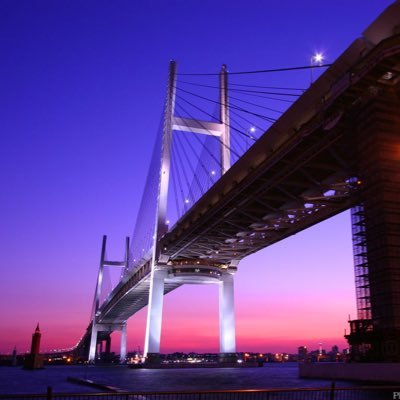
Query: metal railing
x: 332, y: 393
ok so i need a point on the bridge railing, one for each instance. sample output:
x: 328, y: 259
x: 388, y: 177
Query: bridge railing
x: 353, y: 393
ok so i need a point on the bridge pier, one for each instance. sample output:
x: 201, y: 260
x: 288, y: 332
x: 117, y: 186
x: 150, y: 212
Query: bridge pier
x: 227, y: 315
x: 100, y: 333
x: 226, y: 312
x: 122, y: 357
x: 154, y: 315
x: 93, y: 345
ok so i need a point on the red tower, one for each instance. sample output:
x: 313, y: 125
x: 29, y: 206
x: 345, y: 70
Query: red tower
x: 35, y: 347
x: 34, y: 360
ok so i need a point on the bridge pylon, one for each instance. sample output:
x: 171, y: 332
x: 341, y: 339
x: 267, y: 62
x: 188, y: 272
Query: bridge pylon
x: 161, y: 271
x: 98, y: 326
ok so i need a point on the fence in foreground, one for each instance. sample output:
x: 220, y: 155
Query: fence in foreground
x: 353, y: 393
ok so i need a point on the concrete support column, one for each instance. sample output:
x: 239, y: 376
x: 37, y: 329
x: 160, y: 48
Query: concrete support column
x: 227, y: 315
x: 93, y: 344
x: 154, y: 314
x: 123, y: 345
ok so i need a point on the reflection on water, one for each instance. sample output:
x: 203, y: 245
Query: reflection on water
x: 17, y: 380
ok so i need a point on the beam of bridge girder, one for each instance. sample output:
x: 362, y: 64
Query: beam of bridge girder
x: 287, y: 192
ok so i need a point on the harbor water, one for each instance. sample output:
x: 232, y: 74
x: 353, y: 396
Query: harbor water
x: 274, y: 375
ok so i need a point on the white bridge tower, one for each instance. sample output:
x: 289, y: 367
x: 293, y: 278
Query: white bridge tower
x: 159, y: 271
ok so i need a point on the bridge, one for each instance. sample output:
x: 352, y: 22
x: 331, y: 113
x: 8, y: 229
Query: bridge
x: 337, y: 147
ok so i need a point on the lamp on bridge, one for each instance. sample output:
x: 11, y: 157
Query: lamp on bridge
x: 317, y: 59
x: 249, y: 136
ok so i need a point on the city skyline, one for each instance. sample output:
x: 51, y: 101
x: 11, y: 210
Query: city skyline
x: 82, y: 96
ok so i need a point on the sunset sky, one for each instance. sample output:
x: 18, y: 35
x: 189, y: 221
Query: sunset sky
x: 82, y: 88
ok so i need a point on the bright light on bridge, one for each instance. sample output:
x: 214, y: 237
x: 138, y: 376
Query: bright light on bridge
x: 317, y: 58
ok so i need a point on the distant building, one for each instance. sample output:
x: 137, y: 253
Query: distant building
x: 302, y: 353
x: 34, y: 360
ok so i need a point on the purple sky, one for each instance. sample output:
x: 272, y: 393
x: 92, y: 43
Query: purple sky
x: 81, y: 91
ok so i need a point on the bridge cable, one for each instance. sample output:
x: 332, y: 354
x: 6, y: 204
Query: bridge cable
x: 243, y: 90
x: 187, y: 113
x: 261, y: 71
x: 234, y: 152
x: 180, y: 171
x: 195, y: 177
x: 267, y: 87
x: 264, y: 117
x: 223, y: 144
x: 268, y: 97
x: 142, y: 237
x: 205, y: 112
x: 230, y: 106
x: 265, y: 92
x: 199, y: 162
x: 246, y: 92
x: 240, y: 126
x: 174, y: 182
x: 191, y: 116
x: 255, y: 104
x: 238, y: 144
x: 179, y: 148
x: 207, y: 175
x: 234, y: 144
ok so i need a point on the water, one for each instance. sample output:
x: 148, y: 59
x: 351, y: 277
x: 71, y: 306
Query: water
x: 274, y: 375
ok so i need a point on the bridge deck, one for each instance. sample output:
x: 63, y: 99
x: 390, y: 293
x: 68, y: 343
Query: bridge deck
x: 300, y: 172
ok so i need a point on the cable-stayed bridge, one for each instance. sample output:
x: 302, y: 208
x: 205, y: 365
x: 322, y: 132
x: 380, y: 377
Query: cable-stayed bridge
x: 248, y: 165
